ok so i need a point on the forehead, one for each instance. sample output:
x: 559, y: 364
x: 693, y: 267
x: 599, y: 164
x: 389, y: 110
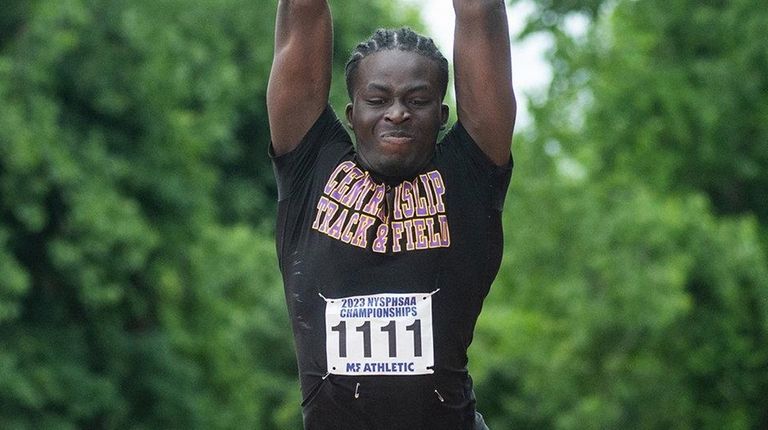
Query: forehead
x: 396, y: 68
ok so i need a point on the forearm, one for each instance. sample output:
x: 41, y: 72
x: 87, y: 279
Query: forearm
x: 299, y: 17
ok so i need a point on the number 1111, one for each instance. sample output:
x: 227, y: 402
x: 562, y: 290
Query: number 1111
x: 391, y: 331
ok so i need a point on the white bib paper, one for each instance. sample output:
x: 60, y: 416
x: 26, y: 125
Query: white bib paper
x: 380, y: 334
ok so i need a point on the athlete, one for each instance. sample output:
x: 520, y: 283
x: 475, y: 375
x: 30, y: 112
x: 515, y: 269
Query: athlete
x: 388, y: 246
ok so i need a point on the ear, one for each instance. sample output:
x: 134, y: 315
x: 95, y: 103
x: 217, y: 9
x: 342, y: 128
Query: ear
x: 444, y: 109
x: 349, y: 111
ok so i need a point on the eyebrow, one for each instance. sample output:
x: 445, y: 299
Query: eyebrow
x: 375, y: 86
x: 382, y: 87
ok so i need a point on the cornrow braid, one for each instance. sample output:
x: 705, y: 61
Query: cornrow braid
x: 403, y: 39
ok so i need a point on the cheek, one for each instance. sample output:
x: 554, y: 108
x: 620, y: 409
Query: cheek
x: 432, y: 126
x: 364, y: 119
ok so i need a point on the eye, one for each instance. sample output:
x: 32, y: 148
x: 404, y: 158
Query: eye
x: 419, y: 102
x: 375, y: 101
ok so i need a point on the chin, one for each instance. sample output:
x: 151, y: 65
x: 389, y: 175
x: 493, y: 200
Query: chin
x: 394, y: 165
x: 398, y: 170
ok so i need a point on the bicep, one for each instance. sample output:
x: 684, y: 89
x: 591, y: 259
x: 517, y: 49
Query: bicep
x: 300, y: 78
x: 483, y: 76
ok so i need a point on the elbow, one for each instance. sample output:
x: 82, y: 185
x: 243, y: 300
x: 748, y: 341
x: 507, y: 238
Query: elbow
x: 302, y: 3
x: 512, y: 115
x: 311, y: 6
x: 507, y: 116
x: 479, y: 7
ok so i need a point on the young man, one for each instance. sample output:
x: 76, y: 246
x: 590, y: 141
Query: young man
x: 388, y: 248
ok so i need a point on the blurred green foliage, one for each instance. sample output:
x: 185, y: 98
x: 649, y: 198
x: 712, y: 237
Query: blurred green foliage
x: 139, y: 286
x: 634, y: 290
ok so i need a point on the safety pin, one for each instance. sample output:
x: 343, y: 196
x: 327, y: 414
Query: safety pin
x: 442, y: 400
x: 357, y: 393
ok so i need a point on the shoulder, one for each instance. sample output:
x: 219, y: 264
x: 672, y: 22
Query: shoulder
x: 326, y: 129
x: 324, y: 144
x: 466, y: 167
x: 458, y: 143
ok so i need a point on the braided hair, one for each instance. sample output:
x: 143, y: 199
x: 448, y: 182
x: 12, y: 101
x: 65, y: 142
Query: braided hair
x: 403, y: 39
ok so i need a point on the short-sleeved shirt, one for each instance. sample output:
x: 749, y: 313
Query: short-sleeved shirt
x: 384, y: 281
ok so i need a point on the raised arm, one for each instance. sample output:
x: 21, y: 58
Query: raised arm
x: 485, y: 100
x: 301, y: 70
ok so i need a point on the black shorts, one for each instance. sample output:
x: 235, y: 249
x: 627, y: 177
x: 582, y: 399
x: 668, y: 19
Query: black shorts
x: 340, y: 403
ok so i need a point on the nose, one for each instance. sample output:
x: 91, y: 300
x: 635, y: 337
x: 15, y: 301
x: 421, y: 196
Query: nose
x: 397, y: 113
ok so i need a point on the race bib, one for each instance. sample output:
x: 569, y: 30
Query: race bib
x: 380, y: 334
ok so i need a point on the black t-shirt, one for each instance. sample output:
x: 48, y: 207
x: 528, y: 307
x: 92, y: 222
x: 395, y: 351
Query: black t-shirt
x: 384, y: 282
